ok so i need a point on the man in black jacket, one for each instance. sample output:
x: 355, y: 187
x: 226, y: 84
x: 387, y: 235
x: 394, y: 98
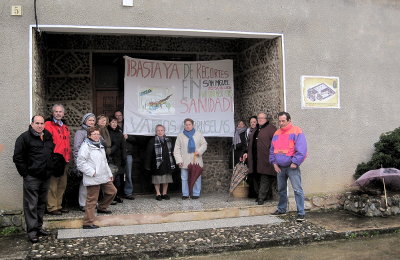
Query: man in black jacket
x: 32, y: 153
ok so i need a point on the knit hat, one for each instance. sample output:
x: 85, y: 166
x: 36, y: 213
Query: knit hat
x: 86, y: 117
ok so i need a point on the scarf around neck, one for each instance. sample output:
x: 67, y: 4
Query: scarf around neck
x: 97, y: 144
x: 158, y: 143
x: 236, y: 138
x: 191, y: 143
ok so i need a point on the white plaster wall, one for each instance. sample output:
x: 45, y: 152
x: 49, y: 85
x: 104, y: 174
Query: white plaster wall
x: 356, y: 40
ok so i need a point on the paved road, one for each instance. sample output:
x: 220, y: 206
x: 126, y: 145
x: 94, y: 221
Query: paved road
x: 380, y: 247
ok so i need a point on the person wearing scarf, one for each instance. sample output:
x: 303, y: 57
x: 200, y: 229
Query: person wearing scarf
x: 160, y: 162
x: 239, y: 141
x: 189, y: 147
x: 258, y: 155
x: 88, y: 120
x: 92, y: 162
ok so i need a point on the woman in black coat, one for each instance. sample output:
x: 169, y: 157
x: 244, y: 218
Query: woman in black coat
x: 117, y: 155
x: 239, y: 141
x: 160, y: 162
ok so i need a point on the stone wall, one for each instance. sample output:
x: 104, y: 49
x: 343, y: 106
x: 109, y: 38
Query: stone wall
x: 256, y: 67
x: 371, y: 205
x: 39, y: 75
x: 259, y: 86
x: 11, y: 219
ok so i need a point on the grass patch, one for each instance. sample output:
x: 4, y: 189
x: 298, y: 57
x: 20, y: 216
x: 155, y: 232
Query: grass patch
x: 9, y: 231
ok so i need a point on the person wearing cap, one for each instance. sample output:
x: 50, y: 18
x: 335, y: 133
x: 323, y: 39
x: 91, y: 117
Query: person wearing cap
x: 88, y: 120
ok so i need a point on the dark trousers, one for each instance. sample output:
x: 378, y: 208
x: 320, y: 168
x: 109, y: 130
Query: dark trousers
x: 34, y: 202
x: 263, y: 186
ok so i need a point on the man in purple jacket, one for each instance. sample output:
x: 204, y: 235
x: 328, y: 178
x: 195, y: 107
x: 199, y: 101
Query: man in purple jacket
x: 288, y: 150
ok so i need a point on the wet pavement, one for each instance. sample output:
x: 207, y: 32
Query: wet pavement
x: 319, y: 226
x: 382, y: 247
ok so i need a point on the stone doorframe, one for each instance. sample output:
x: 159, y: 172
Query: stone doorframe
x: 33, y: 61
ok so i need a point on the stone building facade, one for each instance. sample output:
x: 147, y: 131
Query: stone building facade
x: 354, y: 40
x: 64, y: 74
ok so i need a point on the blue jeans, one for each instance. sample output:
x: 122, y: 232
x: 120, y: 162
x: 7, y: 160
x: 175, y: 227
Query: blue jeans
x: 185, y: 184
x: 128, y: 190
x: 295, y: 179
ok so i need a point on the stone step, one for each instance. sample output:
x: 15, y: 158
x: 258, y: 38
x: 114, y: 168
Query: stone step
x: 145, y: 210
x: 169, y: 227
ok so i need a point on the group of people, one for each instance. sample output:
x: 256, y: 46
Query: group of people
x: 272, y: 156
x: 103, y: 157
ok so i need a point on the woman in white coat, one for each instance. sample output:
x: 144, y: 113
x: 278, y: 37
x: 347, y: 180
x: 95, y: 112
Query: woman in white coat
x: 189, y: 144
x: 92, y: 162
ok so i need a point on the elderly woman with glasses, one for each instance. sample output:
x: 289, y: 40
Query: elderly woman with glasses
x: 257, y: 155
x: 92, y: 162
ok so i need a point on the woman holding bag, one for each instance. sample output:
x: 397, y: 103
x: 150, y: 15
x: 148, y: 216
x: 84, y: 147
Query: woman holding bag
x: 189, y: 144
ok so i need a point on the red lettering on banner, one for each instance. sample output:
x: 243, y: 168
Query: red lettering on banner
x: 204, y: 72
x: 146, y: 69
x: 207, y: 105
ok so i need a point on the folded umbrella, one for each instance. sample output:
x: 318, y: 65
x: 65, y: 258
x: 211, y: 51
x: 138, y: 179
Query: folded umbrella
x: 195, y: 171
x: 239, y: 173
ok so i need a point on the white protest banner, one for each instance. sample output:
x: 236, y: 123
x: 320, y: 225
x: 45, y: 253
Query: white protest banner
x: 167, y: 92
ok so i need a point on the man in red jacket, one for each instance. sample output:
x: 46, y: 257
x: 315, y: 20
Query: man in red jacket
x: 61, y: 138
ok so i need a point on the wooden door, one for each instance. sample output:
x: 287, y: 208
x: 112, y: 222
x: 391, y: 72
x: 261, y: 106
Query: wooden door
x: 107, y: 102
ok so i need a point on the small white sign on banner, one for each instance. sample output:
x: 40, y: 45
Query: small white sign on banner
x: 167, y: 92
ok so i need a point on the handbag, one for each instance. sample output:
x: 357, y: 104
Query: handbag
x: 114, y: 169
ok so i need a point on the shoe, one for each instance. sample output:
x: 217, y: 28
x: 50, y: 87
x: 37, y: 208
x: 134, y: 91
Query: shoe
x: 129, y: 197
x: 278, y: 213
x: 195, y: 197
x: 64, y: 210
x: 90, y: 226
x: 114, y: 202
x: 165, y: 197
x: 260, y: 201
x: 118, y: 199
x: 42, y: 232
x: 185, y: 197
x: 300, y: 218
x: 82, y: 208
x: 158, y: 197
x: 104, y: 211
x: 55, y: 213
x: 34, y: 239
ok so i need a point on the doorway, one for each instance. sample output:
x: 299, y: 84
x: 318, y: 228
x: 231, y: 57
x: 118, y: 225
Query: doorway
x: 73, y: 63
x: 108, y: 97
